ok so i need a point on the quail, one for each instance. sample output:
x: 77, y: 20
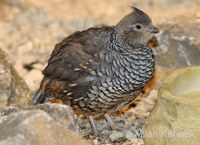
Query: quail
x: 100, y: 69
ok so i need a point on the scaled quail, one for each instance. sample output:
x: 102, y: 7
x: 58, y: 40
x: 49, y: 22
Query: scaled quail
x: 100, y: 69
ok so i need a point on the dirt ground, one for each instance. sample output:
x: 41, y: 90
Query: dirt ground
x: 110, y: 11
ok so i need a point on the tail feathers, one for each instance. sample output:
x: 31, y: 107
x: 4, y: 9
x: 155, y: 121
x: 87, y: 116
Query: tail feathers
x: 39, y: 98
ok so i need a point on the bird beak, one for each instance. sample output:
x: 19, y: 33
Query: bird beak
x: 153, y: 29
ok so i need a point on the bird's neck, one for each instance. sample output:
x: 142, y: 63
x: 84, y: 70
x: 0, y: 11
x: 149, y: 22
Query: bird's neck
x: 118, y: 43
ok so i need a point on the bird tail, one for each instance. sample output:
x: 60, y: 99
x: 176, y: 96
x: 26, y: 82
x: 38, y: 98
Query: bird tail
x: 37, y: 98
x: 42, y: 96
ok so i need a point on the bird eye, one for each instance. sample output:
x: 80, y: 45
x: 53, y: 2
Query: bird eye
x: 138, y: 26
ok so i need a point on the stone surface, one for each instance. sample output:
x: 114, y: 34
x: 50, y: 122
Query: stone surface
x: 13, y: 89
x: 179, y: 42
x: 36, y: 127
x: 63, y: 114
x: 7, y: 110
x: 179, y: 46
x: 175, y: 117
x: 115, y: 136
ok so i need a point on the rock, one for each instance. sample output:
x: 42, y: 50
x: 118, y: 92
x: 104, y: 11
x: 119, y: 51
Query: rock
x: 130, y: 135
x: 6, y: 110
x: 13, y: 89
x: 175, y: 117
x: 36, y: 127
x: 63, y: 114
x: 54, y: 125
x: 179, y: 42
x: 18, y: 3
x: 115, y: 136
x: 179, y: 46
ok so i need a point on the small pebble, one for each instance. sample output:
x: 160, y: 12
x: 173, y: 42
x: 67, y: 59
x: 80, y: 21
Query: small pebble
x: 130, y: 135
x: 116, y: 136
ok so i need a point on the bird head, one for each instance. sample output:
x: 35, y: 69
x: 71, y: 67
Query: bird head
x: 136, y: 28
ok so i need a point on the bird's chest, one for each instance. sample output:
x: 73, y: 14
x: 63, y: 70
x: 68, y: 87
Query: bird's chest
x: 119, y: 78
x: 132, y: 71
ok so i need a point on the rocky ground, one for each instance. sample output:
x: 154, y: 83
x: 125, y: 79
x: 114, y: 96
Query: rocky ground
x: 30, y: 29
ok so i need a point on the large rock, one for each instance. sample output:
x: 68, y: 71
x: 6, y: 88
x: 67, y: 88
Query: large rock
x: 179, y: 42
x: 13, y: 90
x: 63, y: 114
x: 36, y: 127
x: 175, y: 117
x: 179, y: 46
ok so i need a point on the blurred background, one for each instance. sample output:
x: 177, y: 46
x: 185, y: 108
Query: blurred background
x: 29, y: 29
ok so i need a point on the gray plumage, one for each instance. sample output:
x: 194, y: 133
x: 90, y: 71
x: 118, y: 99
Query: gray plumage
x: 100, y: 69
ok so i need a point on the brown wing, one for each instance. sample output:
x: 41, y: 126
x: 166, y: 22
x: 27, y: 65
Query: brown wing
x: 72, y: 54
x: 67, y: 67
